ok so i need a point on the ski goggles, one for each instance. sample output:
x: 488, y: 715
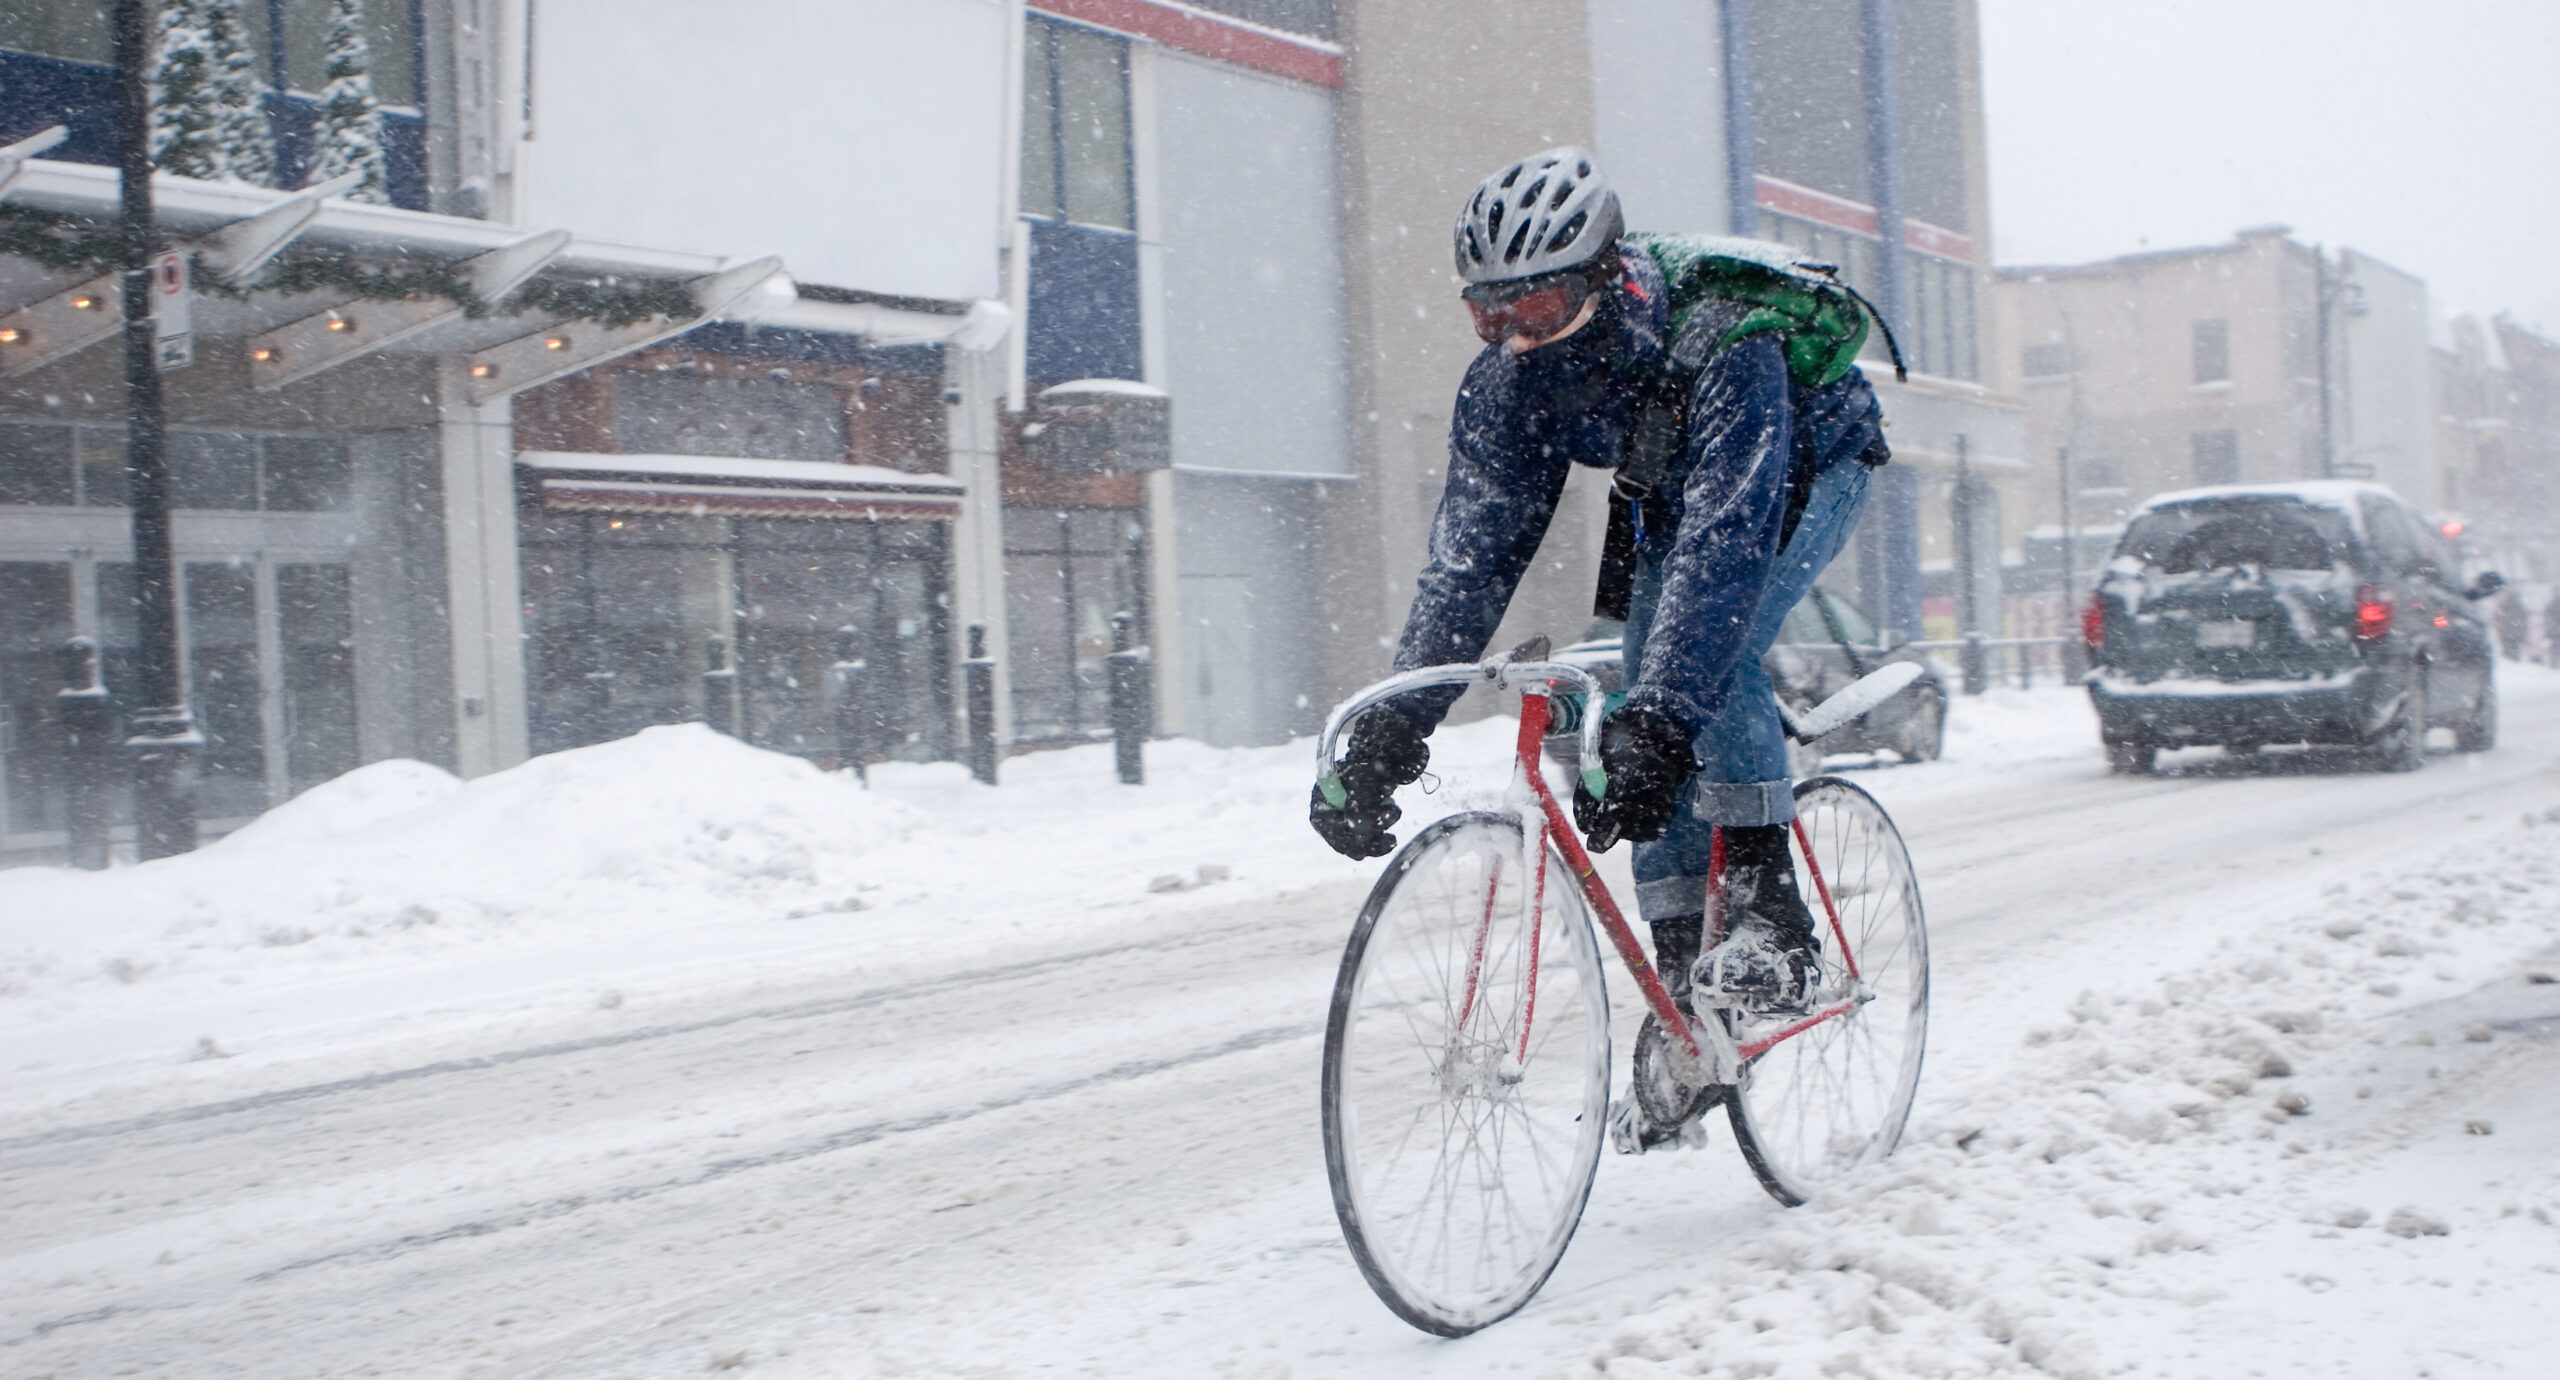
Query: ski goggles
x: 1533, y: 310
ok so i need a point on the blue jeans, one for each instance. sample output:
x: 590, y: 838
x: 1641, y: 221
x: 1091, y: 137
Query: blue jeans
x: 1742, y: 748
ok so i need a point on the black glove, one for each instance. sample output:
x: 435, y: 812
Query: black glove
x: 1385, y: 751
x: 1647, y: 760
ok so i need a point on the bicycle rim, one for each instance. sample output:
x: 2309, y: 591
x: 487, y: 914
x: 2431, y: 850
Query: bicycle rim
x: 1459, y: 1168
x: 1834, y: 1098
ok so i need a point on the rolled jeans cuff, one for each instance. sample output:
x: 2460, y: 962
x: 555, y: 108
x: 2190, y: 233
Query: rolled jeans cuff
x: 1743, y: 804
x: 1669, y: 898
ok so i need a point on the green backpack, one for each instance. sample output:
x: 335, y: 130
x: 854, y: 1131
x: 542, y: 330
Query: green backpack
x: 1724, y: 291
x: 1821, y: 322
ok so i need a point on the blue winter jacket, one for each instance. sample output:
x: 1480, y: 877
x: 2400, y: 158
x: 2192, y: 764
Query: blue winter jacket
x: 1522, y: 421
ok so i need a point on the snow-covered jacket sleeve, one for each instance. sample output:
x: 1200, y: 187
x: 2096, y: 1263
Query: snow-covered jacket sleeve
x: 1502, y: 492
x: 1732, y: 502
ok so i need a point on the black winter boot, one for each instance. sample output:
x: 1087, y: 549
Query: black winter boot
x: 1770, y: 955
x: 1675, y: 951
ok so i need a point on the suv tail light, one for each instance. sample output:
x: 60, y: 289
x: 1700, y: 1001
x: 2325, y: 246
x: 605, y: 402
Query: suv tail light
x: 2093, y: 624
x: 2373, y: 612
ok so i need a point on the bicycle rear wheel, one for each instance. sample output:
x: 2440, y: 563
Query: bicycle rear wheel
x: 1833, y: 1097
x: 1466, y: 1074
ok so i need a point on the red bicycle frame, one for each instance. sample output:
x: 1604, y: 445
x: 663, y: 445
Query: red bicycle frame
x: 1534, y: 717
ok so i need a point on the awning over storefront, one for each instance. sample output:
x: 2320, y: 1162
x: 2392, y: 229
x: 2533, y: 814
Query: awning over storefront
x: 735, y: 486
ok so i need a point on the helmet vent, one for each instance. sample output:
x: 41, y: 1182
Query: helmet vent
x: 1511, y: 252
x: 1563, y: 189
x: 1572, y: 229
x: 1529, y: 198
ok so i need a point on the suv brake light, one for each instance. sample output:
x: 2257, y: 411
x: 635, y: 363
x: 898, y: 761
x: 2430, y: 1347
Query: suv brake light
x: 2373, y: 612
x: 2093, y: 624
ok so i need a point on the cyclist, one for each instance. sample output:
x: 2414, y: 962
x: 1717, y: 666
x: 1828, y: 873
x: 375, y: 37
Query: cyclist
x: 1759, y: 481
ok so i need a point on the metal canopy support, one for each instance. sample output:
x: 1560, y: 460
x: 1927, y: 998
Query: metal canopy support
x: 73, y: 320
x: 243, y: 247
x: 354, y: 329
x: 560, y: 350
x: 13, y: 157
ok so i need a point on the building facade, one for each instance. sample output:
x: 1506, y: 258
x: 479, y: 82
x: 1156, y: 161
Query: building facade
x: 2261, y: 359
x: 1851, y: 128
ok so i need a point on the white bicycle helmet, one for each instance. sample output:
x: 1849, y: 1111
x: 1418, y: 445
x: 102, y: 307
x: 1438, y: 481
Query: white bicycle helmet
x: 1544, y: 214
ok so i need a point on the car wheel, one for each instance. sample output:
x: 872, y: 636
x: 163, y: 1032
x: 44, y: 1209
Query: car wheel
x: 2131, y: 759
x: 2479, y: 733
x: 1924, y: 733
x: 2402, y: 744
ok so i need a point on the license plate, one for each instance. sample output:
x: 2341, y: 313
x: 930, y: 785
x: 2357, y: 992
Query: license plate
x: 2235, y: 633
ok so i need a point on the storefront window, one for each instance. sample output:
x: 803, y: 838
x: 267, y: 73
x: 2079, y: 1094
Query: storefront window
x: 223, y: 688
x: 35, y: 625
x: 621, y: 611
x: 316, y: 625
x: 1067, y: 570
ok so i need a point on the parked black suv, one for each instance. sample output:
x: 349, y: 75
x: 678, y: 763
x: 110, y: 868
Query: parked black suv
x: 2320, y: 612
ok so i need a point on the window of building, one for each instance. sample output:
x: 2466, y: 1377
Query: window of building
x: 289, y: 39
x: 55, y: 464
x: 2213, y: 351
x: 2217, y: 457
x: 2052, y: 359
x: 1075, y: 127
x: 301, y: 61
x: 1067, y: 570
x: 35, y: 466
x: 58, y: 28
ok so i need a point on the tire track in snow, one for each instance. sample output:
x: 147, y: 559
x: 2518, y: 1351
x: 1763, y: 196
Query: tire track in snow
x: 794, y: 1011
x: 847, y: 1139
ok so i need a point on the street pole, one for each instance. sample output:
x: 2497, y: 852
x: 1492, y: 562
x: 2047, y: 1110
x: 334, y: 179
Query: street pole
x: 1968, y: 594
x: 2323, y: 288
x: 2074, y: 652
x: 161, y: 733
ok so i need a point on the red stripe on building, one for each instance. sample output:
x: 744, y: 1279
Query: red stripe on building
x: 1840, y: 213
x: 1209, y: 35
x: 1791, y: 199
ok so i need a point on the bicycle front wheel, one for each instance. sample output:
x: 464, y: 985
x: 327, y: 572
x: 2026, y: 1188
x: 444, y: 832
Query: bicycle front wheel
x: 1466, y: 1072
x: 1833, y: 1097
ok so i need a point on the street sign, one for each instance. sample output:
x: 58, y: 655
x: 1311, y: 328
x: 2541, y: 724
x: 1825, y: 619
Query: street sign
x: 172, y: 311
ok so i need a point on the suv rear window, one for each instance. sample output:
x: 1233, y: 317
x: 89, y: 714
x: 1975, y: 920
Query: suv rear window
x: 2223, y: 533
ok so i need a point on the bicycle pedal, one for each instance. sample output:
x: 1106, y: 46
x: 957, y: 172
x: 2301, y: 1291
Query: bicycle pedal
x: 1631, y: 1132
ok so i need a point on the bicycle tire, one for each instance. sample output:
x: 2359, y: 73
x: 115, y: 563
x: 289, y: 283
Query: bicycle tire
x: 1457, y: 1232
x: 1834, y: 1098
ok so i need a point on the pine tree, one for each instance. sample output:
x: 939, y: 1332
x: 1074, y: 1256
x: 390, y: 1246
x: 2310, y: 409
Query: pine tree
x: 350, y: 135
x: 209, y: 118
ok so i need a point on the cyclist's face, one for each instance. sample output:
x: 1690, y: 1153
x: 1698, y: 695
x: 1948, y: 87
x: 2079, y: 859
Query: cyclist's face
x: 1526, y: 320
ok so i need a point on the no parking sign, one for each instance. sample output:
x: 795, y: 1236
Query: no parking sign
x: 172, y: 311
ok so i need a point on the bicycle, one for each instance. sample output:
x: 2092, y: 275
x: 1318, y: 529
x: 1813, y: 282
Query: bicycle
x: 1466, y: 1056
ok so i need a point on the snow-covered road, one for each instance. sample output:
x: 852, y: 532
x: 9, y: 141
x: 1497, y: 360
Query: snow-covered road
x: 973, y: 1099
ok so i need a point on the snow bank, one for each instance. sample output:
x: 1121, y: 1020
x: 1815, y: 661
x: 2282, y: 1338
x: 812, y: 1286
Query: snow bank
x: 671, y: 824
x: 2063, y: 1219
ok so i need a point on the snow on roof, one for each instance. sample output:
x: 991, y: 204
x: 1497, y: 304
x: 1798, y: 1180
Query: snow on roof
x: 1124, y: 387
x: 738, y: 469
x: 2340, y: 494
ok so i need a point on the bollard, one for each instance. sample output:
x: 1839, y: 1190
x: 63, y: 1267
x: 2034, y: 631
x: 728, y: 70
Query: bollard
x: 1128, y: 701
x: 720, y: 699
x: 980, y: 670
x: 1969, y: 658
x: 88, y: 718
x: 850, y: 680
